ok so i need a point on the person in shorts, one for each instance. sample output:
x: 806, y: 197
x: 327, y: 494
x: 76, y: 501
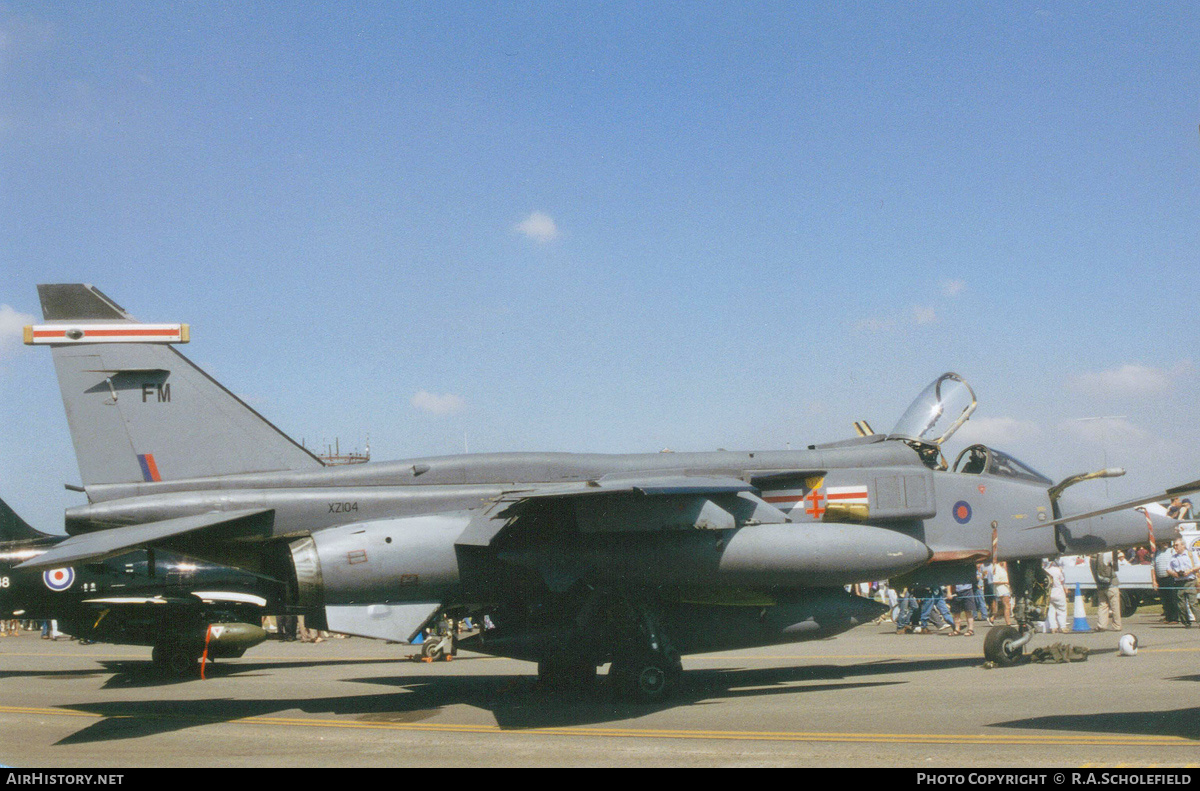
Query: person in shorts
x: 962, y: 607
x: 1003, y: 592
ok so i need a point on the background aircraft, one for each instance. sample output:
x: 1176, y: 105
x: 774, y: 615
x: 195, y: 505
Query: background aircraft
x: 576, y: 560
x: 144, y: 597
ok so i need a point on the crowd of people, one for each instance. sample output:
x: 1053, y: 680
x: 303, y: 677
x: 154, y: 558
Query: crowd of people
x: 928, y: 609
x: 954, y: 609
x: 13, y: 628
x: 291, y: 628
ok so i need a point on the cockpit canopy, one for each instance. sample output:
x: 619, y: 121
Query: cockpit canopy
x: 982, y: 460
x: 937, y: 412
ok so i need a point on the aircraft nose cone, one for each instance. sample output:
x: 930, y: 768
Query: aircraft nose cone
x: 1116, y: 530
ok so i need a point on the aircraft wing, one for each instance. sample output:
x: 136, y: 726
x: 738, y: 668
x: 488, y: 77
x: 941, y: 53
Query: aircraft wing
x: 630, y: 504
x: 1168, y: 494
x: 196, y: 598
x: 647, y: 485
x: 175, y: 534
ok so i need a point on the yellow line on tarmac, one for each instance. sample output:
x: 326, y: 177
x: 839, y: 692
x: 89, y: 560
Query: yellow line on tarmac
x: 1166, y: 650
x: 64, y: 655
x: 803, y: 657
x: 253, y: 657
x: 42, y: 712
x: 1022, y: 739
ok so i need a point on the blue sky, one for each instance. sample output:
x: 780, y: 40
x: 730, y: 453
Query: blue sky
x: 618, y: 227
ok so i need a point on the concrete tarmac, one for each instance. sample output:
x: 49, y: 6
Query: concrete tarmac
x: 867, y: 698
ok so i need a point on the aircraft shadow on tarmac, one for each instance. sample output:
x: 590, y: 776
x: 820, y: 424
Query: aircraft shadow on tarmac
x: 1182, y: 723
x: 516, y: 701
x: 56, y: 674
x: 135, y: 674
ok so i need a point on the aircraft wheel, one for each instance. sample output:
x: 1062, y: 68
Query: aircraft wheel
x: 1129, y: 604
x: 175, y: 660
x: 432, y: 649
x: 647, y: 677
x: 997, y: 645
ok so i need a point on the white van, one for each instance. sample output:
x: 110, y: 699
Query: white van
x: 1136, y: 581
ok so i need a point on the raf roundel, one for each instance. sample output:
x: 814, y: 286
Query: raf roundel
x: 59, y: 579
x: 962, y: 512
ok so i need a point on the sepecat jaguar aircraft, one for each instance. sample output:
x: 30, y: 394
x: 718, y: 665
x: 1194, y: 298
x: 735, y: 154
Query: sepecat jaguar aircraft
x: 576, y: 560
x: 185, y: 608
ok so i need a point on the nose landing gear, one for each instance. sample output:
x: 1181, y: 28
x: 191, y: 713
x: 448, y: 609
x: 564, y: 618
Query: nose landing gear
x: 1005, y: 645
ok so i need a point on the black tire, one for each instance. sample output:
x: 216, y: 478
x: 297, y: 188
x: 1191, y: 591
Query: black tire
x: 176, y: 660
x: 648, y: 677
x: 1129, y: 603
x: 996, y: 646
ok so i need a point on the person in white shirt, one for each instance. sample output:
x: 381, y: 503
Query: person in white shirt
x: 1003, y: 592
x: 1056, y: 613
x: 1183, y: 572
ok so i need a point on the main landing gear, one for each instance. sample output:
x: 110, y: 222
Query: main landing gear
x: 646, y: 676
x: 645, y: 665
x: 646, y: 668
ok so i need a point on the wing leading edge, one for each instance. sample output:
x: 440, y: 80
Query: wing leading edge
x: 175, y: 534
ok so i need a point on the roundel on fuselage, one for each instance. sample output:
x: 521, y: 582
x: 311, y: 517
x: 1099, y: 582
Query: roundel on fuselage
x: 59, y: 579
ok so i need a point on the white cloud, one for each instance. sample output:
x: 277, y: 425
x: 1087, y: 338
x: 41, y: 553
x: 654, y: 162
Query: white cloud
x: 11, y: 324
x: 951, y: 288
x: 1116, y: 430
x: 446, y: 404
x: 920, y: 315
x: 1129, y: 380
x: 874, y: 325
x: 538, y: 227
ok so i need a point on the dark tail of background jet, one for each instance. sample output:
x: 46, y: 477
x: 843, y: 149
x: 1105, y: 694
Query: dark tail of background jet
x: 142, y: 412
x: 13, y: 528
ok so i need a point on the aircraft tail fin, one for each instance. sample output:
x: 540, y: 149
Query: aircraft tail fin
x: 138, y: 410
x: 14, y: 528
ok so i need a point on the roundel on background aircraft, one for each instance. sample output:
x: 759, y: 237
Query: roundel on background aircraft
x: 59, y: 579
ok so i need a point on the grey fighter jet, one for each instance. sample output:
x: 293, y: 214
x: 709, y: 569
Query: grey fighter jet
x: 570, y: 560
